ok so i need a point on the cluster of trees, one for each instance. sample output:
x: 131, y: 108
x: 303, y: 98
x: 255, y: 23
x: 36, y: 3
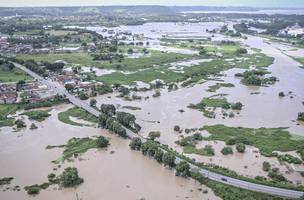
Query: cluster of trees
x: 102, y: 89
x: 255, y: 77
x: 152, y: 149
x: 107, y: 56
x: 190, y: 140
x: 70, y: 177
x: 107, y: 120
x: 128, y: 120
x: 108, y: 109
x: 110, y: 123
x: 6, y: 65
x: 241, y: 51
x: 58, y: 66
x: 32, y: 65
x: 239, y: 139
x: 276, y: 176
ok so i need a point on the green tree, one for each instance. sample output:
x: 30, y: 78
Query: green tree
x: 149, y: 148
x: 70, y: 177
x: 102, y: 142
x: 158, y: 156
x: 240, y: 147
x: 266, y: 166
x: 108, y: 109
x: 182, y: 169
x: 169, y: 159
x: 19, y: 123
x: 176, y: 128
x: 237, y: 106
x: 227, y: 150
x: 154, y: 134
x: 135, y: 144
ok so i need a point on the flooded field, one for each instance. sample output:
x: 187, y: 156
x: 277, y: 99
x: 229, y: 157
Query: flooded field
x: 118, y: 172
x: 115, y: 173
x: 262, y: 108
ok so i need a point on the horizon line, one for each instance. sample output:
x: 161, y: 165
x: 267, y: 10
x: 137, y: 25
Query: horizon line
x: 164, y: 5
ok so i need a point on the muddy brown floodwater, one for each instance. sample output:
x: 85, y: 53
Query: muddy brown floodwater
x: 115, y: 173
x: 265, y: 109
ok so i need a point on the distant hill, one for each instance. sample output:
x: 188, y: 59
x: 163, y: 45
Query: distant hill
x: 210, y: 8
x: 89, y: 10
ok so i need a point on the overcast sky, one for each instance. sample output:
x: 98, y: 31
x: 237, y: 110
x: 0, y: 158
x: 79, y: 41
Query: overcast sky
x: 253, y: 3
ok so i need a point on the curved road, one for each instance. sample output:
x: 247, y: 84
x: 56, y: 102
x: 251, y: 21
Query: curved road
x: 211, y: 175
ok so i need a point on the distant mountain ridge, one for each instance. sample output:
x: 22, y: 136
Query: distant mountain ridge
x: 117, y: 10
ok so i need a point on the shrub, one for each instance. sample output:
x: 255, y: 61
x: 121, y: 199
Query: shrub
x: 281, y: 94
x: 135, y: 144
x: 237, y: 106
x: 240, y: 147
x: 266, y: 166
x: 227, y: 150
x: 70, y: 178
x: 154, y: 134
x: 176, y: 128
x: 32, y: 190
x: 19, y: 123
x: 102, y: 142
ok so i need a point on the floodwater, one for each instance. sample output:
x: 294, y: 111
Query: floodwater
x: 265, y: 109
x: 115, y: 173
x: 267, y: 11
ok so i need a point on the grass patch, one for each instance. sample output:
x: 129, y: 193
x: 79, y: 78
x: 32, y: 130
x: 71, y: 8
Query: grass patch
x: 266, y: 140
x: 38, y: 115
x: 77, y: 146
x: 13, y: 75
x: 155, y: 58
x: 206, y: 151
x: 78, y: 113
x: 300, y: 60
x: 5, y: 110
x: 214, y: 88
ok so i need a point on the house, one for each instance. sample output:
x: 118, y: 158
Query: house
x: 8, y: 93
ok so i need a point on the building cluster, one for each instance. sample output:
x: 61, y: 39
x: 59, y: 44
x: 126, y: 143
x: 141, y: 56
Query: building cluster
x: 75, y: 82
x: 8, y: 48
x: 30, y: 92
x: 8, y: 93
x: 34, y: 92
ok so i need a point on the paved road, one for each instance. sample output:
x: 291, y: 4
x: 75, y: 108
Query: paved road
x: 211, y: 175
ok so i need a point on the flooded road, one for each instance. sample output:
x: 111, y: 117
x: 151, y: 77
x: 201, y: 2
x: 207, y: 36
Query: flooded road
x: 115, y: 173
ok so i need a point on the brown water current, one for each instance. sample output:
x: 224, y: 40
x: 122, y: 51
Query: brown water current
x: 264, y: 109
x: 115, y: 173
